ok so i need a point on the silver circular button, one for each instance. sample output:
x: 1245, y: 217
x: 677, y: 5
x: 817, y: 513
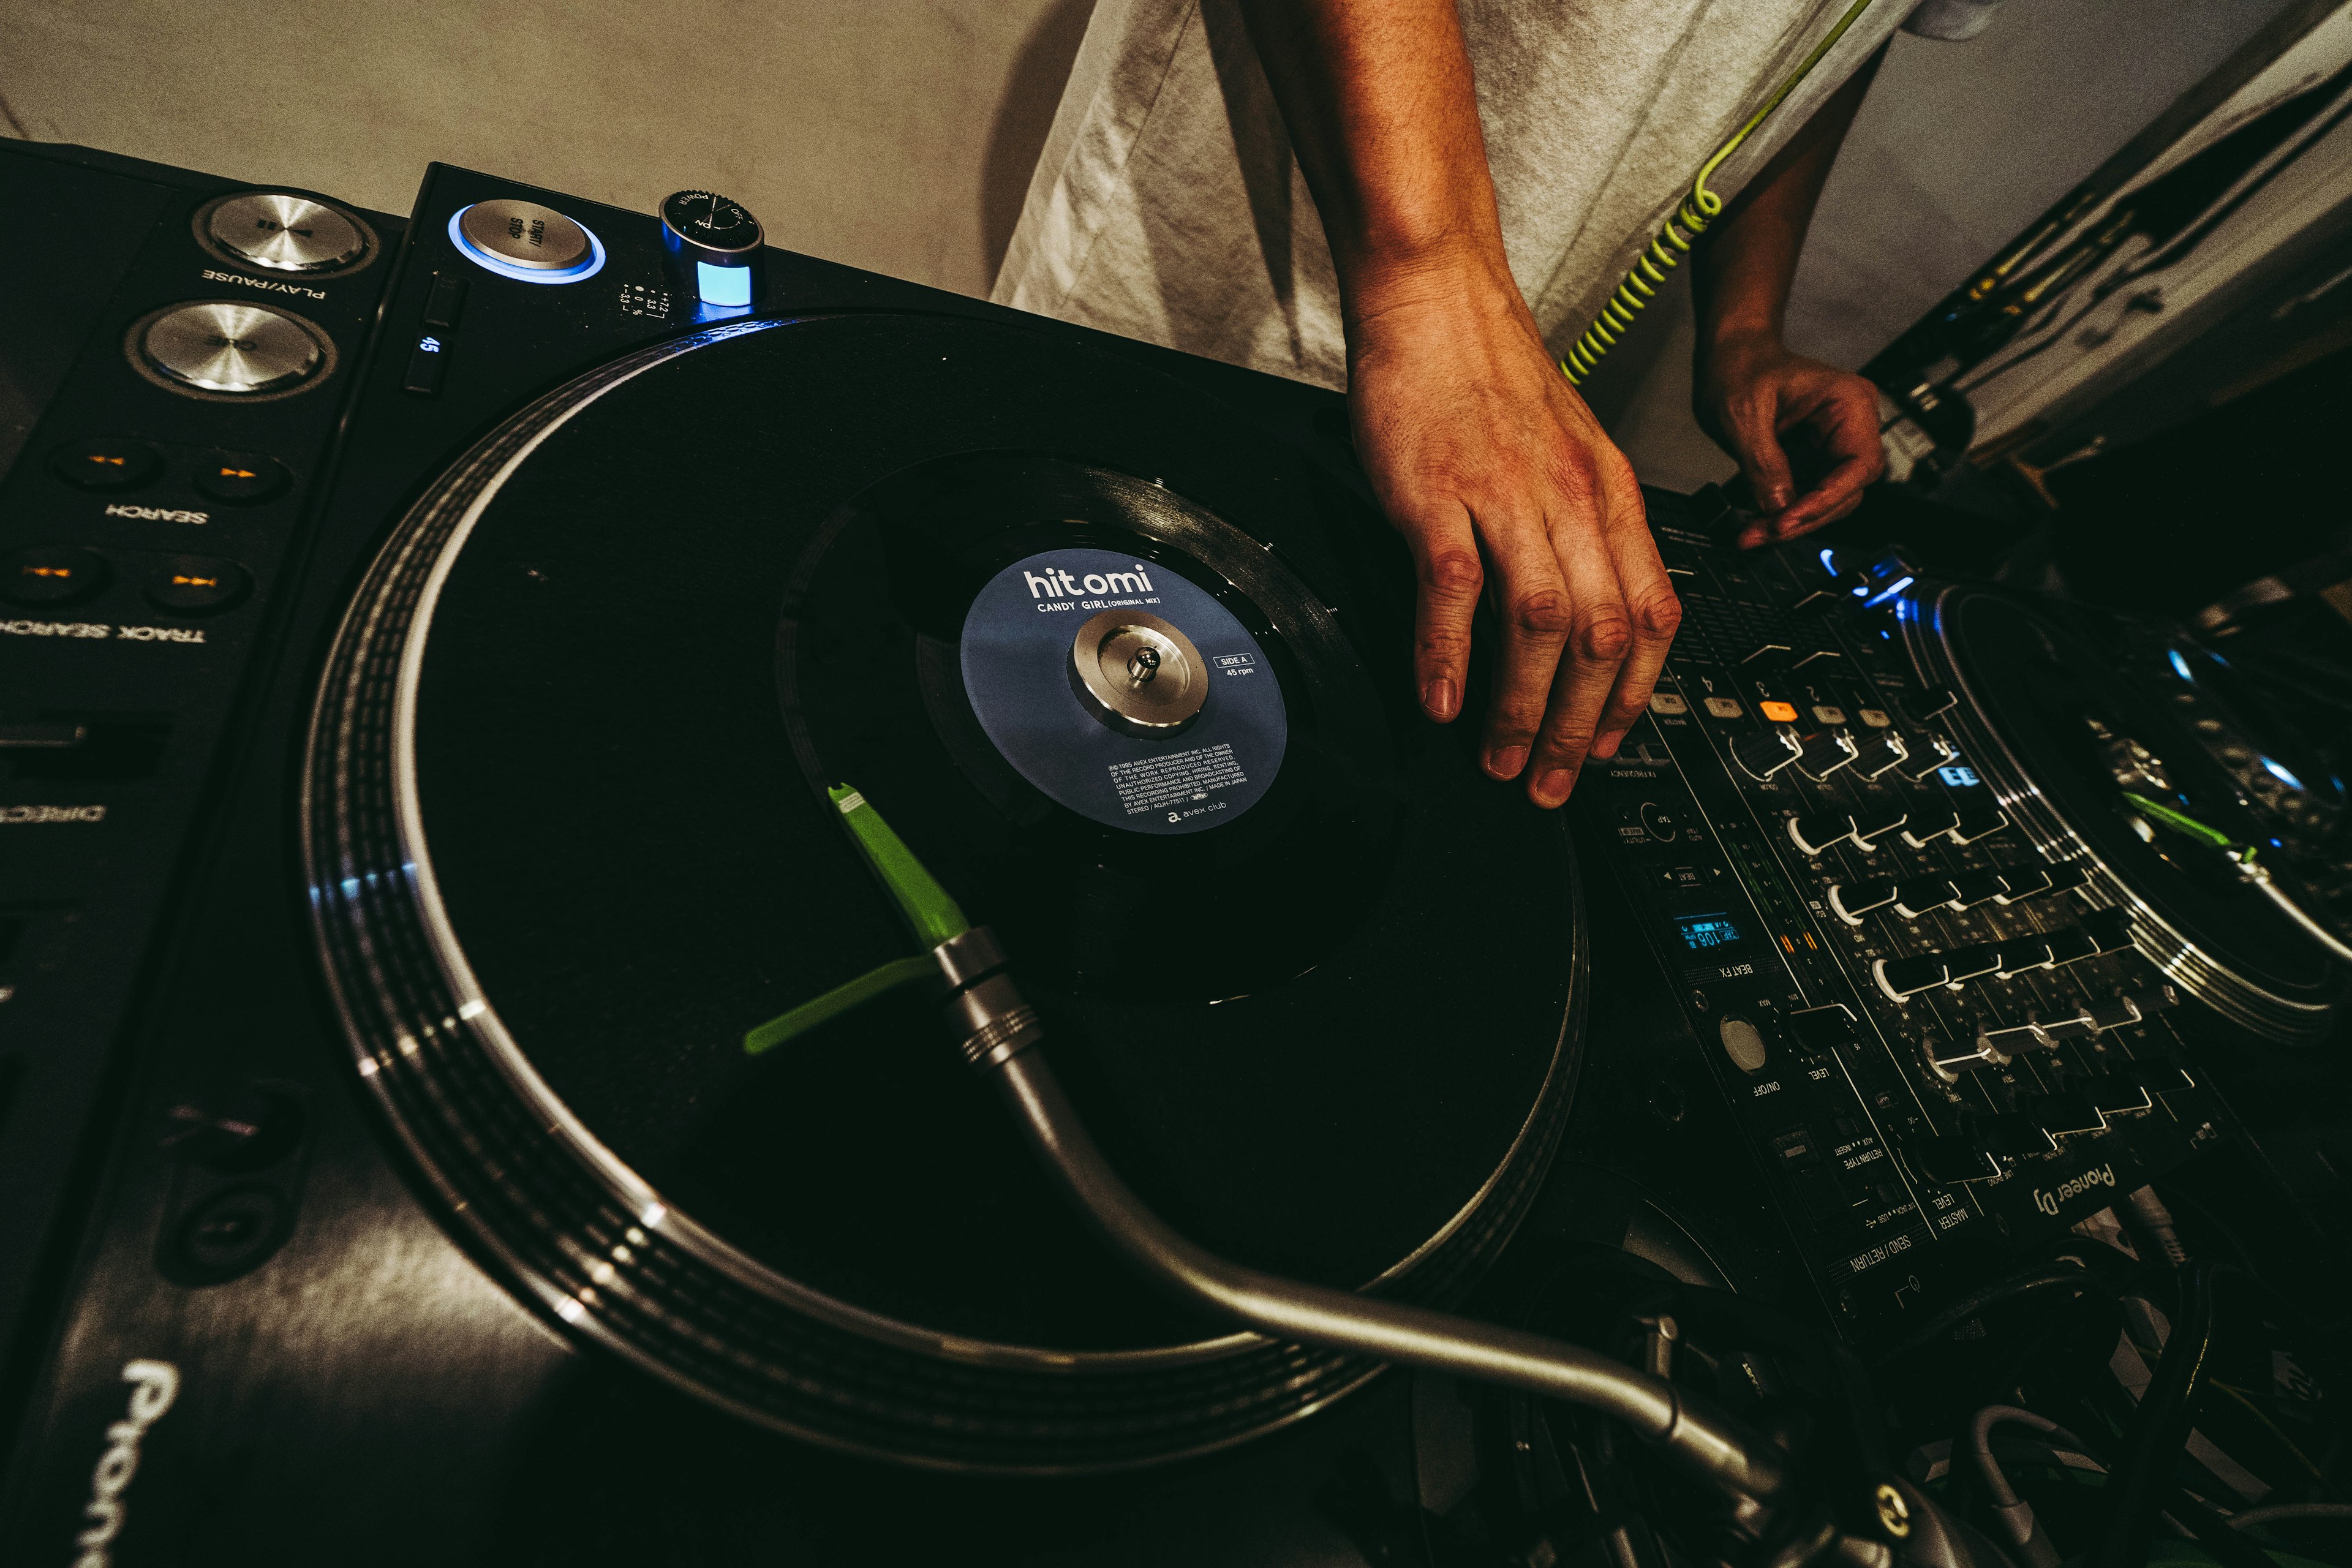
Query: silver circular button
x: 525, y: 235
x: 232, y: 349
x: 285, y: 233
x: 1743, y: 1042
x: 1138, y: 673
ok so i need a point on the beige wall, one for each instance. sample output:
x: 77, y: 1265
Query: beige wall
x: 893, y: 135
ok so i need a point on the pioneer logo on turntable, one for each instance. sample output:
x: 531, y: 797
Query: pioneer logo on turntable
x: 154, y: 1385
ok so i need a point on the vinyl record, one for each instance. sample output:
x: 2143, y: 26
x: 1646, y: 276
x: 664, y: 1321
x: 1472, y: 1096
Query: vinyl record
x: 569, y: 842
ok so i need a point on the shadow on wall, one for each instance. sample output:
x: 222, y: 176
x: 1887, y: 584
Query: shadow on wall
x: 1023, y: 120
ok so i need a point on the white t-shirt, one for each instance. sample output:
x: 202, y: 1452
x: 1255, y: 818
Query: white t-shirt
x: 1167, y: 204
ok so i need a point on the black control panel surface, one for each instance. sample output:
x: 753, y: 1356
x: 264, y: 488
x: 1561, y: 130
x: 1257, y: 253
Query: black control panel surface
x: 172, y: 407
x: 1940, y: 1052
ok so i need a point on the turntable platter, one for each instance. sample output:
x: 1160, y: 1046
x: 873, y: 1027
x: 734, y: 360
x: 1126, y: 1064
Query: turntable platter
x: 568, y: 841
x: 2096, y: 721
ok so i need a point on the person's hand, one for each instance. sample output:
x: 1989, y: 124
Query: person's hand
x: 1501, y: 482
x: 1753, y: 395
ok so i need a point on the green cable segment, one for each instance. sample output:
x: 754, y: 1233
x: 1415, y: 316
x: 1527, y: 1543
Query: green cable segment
x: 920, y: 897
x: 2181, y: 822
x: 1697, y: 210
x: 926, y: 904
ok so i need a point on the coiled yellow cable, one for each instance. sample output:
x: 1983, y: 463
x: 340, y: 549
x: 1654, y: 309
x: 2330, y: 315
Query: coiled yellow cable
x: 1697, y: 210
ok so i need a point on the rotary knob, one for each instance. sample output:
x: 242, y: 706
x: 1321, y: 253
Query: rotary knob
x: 715, y: 242
x: 278, y: 231
x: 229, y: 349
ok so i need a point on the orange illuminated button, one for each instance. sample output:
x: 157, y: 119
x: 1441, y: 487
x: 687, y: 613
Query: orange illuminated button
x: 197, y: 585
x: 51, y: 574
x: 1779, y: 712
x: 240, y: 479
x: 104, y: 464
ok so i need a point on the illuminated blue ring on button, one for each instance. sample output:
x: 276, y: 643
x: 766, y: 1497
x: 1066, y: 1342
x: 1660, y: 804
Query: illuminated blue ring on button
x: 720, y: 285
x: 588, y: 268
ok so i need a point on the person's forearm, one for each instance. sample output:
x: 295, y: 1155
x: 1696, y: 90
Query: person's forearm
x: 1742, y: 274
x: 1379, y: 100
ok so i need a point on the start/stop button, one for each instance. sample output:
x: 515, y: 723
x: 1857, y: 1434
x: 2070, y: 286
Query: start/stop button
x: 524, y: 240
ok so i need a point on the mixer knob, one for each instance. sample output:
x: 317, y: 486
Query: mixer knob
x: 1824, y: 751
x: 2097, y: 1018
x: 1814, y: 834
x: 1926, y: 755
x: 1977, y: 822
x: 2019, y: 883
x: 2015, y: 1132
x: 1930, y: 821
x: 1885, y: 749
x: 2118, y: 1096
x: 1944, y: 1161
x: 1768, y: 752
x: 1871, y: 826
x: 1822, y: 1030
x: 1973, y: 962
x: 1853, y: 902
x: 1924, y: 702
x: 1970, y: 889
x: 2064, y: 1114
x: 2104, y: 931
x: 1950, y: 1059
x: 716, y: 245
x: 1915, y: 896
x: 2006, y: 1040
x: 1902, y: 977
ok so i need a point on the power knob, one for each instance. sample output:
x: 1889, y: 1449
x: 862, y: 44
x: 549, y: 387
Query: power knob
x: 714, y: 243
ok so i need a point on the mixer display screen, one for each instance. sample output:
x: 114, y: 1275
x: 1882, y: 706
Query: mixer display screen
x: 1959, y: 778
x: 1704, y: 934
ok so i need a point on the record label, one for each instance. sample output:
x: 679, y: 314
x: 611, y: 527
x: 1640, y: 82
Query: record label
x: 1124, y: 691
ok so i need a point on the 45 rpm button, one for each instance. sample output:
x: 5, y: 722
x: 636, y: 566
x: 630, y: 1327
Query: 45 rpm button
x: 106, y: 465
x: 239, y: 480
x: 198, y: 585
x: 51, y: 574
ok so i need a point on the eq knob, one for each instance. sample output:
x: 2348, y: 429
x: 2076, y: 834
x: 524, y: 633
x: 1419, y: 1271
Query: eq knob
x: 715, y: 245
x: 1767, y: 752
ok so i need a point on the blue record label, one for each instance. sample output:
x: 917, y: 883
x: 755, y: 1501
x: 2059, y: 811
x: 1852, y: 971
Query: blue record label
x: 1021, y: 666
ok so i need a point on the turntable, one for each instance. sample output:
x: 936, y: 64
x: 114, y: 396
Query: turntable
x: 443, y: 712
